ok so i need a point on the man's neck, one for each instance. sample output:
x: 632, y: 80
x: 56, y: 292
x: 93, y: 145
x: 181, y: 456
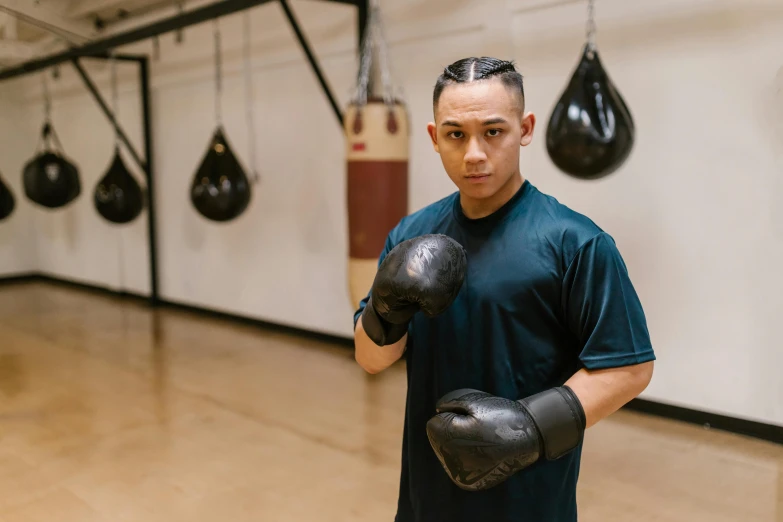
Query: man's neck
x: 479, y: 208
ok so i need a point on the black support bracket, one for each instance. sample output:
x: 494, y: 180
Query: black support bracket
x: 144, y: 162
x: 311, y: 58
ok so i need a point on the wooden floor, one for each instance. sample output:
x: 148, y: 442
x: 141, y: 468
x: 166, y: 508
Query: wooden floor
x: 112, y: 412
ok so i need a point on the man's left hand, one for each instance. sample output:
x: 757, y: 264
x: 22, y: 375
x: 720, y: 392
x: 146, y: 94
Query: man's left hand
x: 481, y: 440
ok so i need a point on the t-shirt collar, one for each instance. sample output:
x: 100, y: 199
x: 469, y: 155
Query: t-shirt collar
x: 496, y: 216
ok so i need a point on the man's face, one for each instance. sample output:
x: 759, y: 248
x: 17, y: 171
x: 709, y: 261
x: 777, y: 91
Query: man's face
x: 478, y: 131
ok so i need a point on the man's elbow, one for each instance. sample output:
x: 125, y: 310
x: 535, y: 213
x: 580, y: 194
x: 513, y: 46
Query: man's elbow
x: 364, y: 363
x: 364, y: 355
x: 643, y: 376
x: 367, y: 364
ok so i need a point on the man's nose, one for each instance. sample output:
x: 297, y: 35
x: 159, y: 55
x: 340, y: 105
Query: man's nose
x: 475, y: 151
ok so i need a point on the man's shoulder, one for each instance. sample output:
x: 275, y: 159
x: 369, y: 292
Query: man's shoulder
x: 569, y: 228
x: 424, y: 220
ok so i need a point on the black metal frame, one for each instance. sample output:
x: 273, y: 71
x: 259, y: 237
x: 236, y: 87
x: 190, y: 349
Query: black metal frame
x: 144, y: 164
x: 101, y: 49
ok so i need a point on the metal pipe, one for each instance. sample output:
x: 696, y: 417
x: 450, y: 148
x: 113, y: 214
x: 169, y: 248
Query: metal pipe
x: 144, y: 81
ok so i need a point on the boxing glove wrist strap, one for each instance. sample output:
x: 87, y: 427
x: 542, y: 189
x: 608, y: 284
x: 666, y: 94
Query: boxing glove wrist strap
x: 560, y: 419
x: 380, y: 331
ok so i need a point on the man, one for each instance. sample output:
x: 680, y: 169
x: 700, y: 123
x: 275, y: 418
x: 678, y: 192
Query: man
x: 519, y: 322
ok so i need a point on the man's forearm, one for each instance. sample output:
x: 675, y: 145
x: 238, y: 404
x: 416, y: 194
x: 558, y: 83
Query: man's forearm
x: 374, y: 358
x: 602, y: 392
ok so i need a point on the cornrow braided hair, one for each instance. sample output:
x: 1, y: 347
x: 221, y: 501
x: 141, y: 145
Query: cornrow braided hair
x: 475, y: 69
x: 449, y: 74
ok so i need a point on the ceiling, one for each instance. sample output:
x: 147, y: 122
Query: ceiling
x: 30, y: 28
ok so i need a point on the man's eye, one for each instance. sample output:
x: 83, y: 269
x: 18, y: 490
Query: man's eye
x: 455, y: 133
x: 494, y: 132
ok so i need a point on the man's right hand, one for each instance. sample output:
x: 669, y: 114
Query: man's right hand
x: 423, y: 273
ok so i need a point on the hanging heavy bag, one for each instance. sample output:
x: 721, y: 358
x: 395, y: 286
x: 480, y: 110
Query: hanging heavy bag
x: 591, y: 131
x: 118, y: 197
x: 49, y: 179
x: 377, y: 140
x: 7, y: 200
x: 220, y: 190
x: 377, y: 136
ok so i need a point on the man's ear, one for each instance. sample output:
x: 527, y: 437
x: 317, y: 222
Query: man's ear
x: 528, y: 126
x: 432, y: 130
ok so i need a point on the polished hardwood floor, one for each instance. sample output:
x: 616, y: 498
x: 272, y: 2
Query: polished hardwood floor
x: 112, y: 412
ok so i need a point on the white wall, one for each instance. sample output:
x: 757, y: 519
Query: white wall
x: 17, y: 242
x: 694, y: 210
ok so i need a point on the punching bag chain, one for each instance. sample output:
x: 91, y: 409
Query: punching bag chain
x: 218, y: 75
x: 364, y: 66
x: 115, y: 98
x: 48, y: 131
x: 591, y: 27
x: 374, y: 39
x: 383, y: 56
x: 47, y: 99
x: 251, y: 128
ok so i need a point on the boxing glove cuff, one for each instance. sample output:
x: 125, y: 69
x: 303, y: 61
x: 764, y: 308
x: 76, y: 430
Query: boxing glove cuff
x: 380, y: 331
x: 560, y: 419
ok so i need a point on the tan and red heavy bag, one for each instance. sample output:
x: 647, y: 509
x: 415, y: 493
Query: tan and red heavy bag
x: 377, y: 135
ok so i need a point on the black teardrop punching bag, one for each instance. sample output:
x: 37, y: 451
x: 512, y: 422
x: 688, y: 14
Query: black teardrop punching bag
x: 118, y: 197
x: 591, y: 131
x: 220, y: 190
x: 7, y: 201
x: 50, y: 180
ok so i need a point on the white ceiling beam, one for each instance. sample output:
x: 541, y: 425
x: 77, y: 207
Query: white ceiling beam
x: 48, y: 44
x: 15, y: 51
x: 75, y: 31
x: 85, y: 8
x: 51, y: 44
x: 134, y: 22
x: 151, y: 17
x: 9, y: 28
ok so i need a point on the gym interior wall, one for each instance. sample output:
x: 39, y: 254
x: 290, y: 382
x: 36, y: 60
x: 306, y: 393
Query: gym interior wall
x: 694, y: 210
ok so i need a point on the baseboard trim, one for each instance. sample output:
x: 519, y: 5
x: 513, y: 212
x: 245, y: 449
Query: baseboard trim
x: 38, y: 277
x: 759, y: 430
x: 24, y: 277
x: 266, y: 325
x: 201, y: 310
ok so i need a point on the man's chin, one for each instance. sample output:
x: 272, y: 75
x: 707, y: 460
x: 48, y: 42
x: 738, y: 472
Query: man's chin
x: 477, y: 191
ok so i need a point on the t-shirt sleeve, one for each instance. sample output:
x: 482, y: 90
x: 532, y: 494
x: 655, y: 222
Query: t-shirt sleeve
x: 602, y: 308
x: 386, y: 249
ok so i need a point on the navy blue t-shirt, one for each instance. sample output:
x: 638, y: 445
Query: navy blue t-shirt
x: 546, y: 293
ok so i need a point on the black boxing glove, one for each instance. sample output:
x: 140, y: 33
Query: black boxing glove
x: 423, y: 273
x: 481, y: 440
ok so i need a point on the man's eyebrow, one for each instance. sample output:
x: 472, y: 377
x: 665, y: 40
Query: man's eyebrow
x: 491, y: 121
